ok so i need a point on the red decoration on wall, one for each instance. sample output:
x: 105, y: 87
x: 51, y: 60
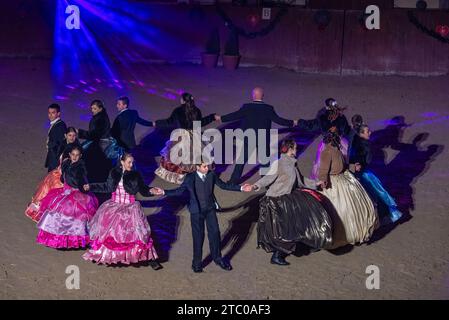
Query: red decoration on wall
x: 442, y: 30
x: 253, y: 19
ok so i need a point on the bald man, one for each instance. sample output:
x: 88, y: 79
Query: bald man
x: 255, y: 115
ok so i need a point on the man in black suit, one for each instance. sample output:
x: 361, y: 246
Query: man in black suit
x: 125, y: 123
x: 256, y: 115
x: 55, y: 136
x: 202, y: 207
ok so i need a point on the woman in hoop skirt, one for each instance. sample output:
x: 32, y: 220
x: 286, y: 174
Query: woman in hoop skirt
x: 53, y: 179
x: 360, y: 160
x: 357, y: 216
x: 182, y: 118
x: 291, y: 211
x: 329, y: 118
x: 67, y: 210
x: 119, y: 231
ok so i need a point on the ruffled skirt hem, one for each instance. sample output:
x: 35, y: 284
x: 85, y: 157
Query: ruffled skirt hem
x: 62, y: 241
x: 137, y: 253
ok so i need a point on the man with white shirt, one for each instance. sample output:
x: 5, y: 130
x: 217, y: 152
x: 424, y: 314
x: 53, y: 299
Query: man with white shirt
x: 202, y: 207
x: 125, y: 123
x: 55, y: 137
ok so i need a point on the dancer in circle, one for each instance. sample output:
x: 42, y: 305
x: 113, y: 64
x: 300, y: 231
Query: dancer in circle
x: 356, y: 122
x: 125, y: 123
x: 99, y: 126
x: 202, y: 206
x: 102, y: 151
x: 66, y: 211
x: 329, y: 118
x: 256, y: 116
x: 55, y: 136
x: 182, y: 118
x: 360, y: 159
x: 53, y: 179
x: 119, y: 231
x: 291, y: 210
x: 354, y: 207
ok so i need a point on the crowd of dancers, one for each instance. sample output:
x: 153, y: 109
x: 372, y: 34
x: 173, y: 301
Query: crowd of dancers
x: 88, y: 198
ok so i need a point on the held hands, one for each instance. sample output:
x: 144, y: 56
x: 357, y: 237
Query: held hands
x: 157, y: 191
x: 321, y: 184
x: 86, y: 187
x: 295, y: 123
x: 333, y: 129
x: 217, y: 117
x: 247, y: 187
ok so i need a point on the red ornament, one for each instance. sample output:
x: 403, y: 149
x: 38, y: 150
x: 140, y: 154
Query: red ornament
x: 442, y: 30
x: 253, y: 19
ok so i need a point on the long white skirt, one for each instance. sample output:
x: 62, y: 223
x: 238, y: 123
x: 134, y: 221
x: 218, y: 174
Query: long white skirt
x: 354, y: 208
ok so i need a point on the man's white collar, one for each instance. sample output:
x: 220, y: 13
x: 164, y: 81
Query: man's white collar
x: 54, y: 121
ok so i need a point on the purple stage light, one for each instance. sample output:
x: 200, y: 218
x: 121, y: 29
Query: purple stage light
x: 432, y: 121
x: 170, y: 96
x: 429, y: 114
x: 60, y: 98
x: 82, y: 105
x: 77, y: 52
x: 85, y: 117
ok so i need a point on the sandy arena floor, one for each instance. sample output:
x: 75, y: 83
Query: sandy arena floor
x: 413, y: 257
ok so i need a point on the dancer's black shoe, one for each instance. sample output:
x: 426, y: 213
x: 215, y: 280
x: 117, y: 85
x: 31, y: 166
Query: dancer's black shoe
x: 155, y: 265
x: 279, y: 259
